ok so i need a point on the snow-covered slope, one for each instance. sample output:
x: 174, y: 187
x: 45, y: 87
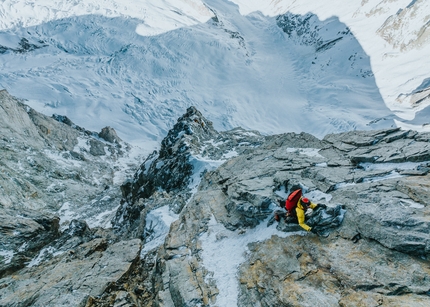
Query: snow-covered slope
x: 137, y: 66
x: 395, y: 34
x: 175, y: 14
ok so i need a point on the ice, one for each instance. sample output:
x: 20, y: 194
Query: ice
x: 7, y: 256
x: 224, y: 251
x: 43, y: 254
x: 201, y: 165
x: 158, y: 221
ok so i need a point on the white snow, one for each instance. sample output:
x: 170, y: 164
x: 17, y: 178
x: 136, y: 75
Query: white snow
x: 103, y: 219
x: 159, y: 220
x: 390, y: 175
x: 230, y: 154
x: 391, y: 166
x: 23, y: 247
x: 242, y: 71
x: 82, y: 146
x: 157, y: 16
x: 66, y: 215
x: 201, y: 165
x: 45, y: 252
x: 406, y: 126
x: 7, y: 256
x: 310, y: 152
x: 396, y: 71
x: 223, y: 251
x: 61, y: 160
x: 282, y: 193
x: 412, y: 204
x: 137, y: 66
x: 343, y: 185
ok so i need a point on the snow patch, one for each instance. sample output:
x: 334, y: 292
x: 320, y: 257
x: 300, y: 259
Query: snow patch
x: 310, y: 152
x: 412, y: 203
x: 390, y: 166
x: 23, y: 247
x: 158, y: 223
x: 61, y: 160
x: 406, y: 126
x: 230, y: 154
x: 201, y: 165
x: 82, y: 146
x: 103, y: 219
x: 66, y: 215
x: 7, y: 256
x: 125, y: 166
x: 223, y: 251
x: 390, y: 175
x: 43, y: 254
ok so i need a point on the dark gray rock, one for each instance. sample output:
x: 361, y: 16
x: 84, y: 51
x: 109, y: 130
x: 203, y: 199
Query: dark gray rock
x: 23, y: 235
x: 171, y: 170
x: 69, y: 279
x: 54, y: 188
x: 109, y: 135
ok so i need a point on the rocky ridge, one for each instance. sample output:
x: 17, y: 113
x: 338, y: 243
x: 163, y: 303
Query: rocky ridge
x: 53, y: 173
x: 220, y: 250
x: 382, y: 179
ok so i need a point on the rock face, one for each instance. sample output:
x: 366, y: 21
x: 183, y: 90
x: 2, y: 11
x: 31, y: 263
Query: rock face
x: 191, y: 148
x: 220, y: 250
x: 52, y: 172
x: 42, y: 157
x: 23, y: 236
x: 380, y: 177
x: 71, y: 278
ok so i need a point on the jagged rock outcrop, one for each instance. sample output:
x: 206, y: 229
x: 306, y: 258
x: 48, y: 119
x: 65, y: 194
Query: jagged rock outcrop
x: 380, y: 177
x: 52, y: 173
x: 392, y: 224
x: 52, y: 165
x: 191, y: 148
x: 22, y: 236
x: 72, y: 276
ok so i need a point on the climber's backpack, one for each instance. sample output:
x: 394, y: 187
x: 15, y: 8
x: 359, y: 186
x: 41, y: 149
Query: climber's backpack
x: 291, y: 202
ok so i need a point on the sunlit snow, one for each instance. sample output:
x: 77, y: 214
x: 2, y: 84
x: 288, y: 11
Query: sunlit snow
x: 390, y: 64
x: 137, y: 66
x: 223, y: 252
x: 6, y: 255
x: 158, y: 221
x: 45, y: 252
x: 158, y: 16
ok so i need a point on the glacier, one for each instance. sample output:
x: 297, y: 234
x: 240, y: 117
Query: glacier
x: 137, y: 66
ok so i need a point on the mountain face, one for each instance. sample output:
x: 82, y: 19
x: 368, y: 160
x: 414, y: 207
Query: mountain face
x: 52, y: 172
x: 219, y: 110
x: 261, y: 65
x: 193, y: 226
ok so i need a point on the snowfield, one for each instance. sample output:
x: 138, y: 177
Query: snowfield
x: 137, y: 66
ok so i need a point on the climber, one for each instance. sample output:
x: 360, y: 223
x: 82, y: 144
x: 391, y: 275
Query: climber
x: 296, y: 206
x: 300, y: 212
